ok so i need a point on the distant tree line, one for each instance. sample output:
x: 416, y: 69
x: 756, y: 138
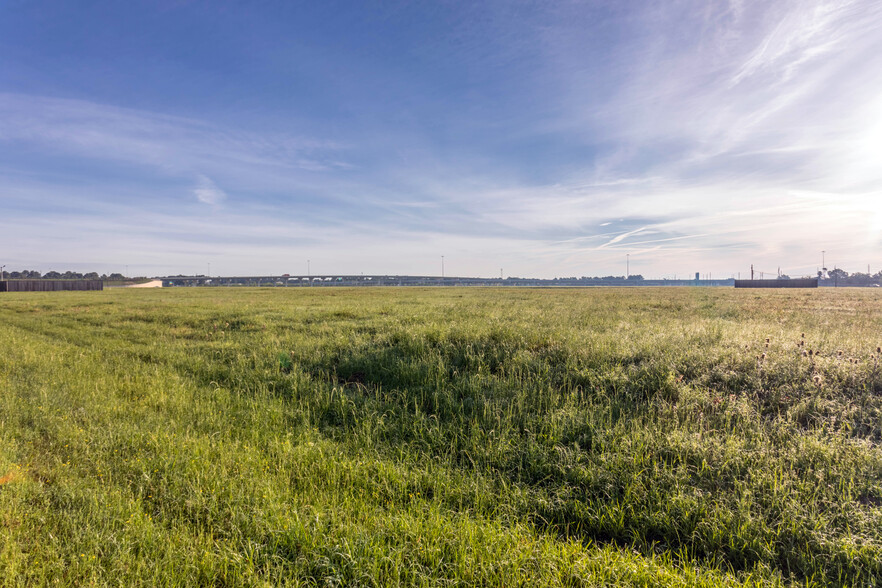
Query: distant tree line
x: 52, y: 275
x: 842, y: 278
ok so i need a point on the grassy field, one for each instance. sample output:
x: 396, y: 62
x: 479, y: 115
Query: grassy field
x: 441, y: 437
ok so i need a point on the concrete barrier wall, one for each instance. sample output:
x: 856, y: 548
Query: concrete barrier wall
x: 801, y: 283
x: 49, y: 285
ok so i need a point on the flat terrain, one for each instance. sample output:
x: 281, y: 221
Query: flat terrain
x: 441, y: 437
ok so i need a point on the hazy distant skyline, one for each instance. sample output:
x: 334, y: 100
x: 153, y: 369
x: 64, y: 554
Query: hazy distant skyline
x: 544, y: 138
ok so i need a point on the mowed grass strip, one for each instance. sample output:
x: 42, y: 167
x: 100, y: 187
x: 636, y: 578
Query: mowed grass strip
x: 441, y: 437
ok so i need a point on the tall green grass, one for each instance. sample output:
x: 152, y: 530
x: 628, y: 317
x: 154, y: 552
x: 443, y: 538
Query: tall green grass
x: 441, y: 437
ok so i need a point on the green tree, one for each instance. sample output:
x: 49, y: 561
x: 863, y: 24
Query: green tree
x: 839, y: 276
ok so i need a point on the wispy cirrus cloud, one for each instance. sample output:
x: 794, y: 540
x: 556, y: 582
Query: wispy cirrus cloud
x: 170, y: 144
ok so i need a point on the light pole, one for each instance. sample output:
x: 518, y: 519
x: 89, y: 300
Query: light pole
x: 308, y: 273
x: 442, y: 267
x: 627, y: 265
x: 3, y: 267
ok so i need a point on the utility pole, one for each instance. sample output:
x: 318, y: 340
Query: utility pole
x: 3, y: 273
x: 308, y: 273
x: 627, y: 266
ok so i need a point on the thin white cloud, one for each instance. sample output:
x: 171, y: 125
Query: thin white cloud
x: 207, y: 191
x: 623, y: 236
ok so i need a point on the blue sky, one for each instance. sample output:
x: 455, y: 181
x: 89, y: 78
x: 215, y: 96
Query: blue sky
x: 544, y: 138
